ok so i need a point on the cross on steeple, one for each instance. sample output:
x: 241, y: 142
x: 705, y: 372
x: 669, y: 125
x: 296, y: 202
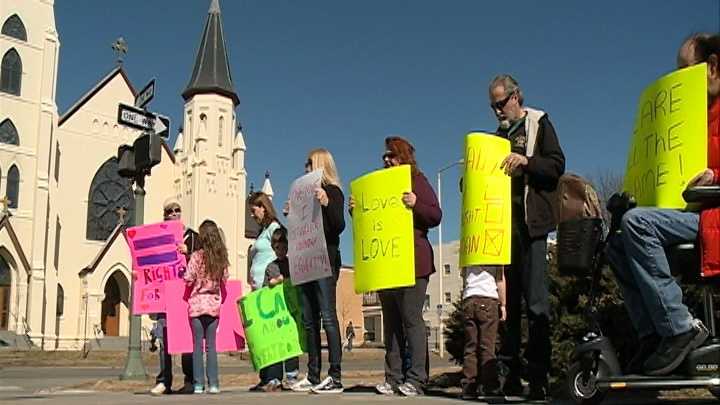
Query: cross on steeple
x: 121, y: 215
x: 120, y: 47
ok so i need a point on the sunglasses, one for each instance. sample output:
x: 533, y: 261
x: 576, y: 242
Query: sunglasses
x: 499, y: 105
x: 387, y: 156
x: 171, y: 211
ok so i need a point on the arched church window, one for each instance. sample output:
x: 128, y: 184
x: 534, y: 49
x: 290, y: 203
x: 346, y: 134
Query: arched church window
x: 108, y: 192
x: 14, y: 27
x: 221, y: 131
x: 5, y: 286
x: 60, y: 307
x: 5, y: 275
x: 11, y: 73
x: 8, y: 133
x: 13, y: 186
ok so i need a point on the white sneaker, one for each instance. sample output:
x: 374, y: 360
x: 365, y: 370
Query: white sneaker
x: 303, y: 385
x: 328, y: 386
x: 385, y: 389
x: 409, y: 390
x: 159, y: 389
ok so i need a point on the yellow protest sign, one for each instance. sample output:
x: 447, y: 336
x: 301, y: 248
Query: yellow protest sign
x: 669, y: 142
x: 486, y: 205
x: 383, y: 237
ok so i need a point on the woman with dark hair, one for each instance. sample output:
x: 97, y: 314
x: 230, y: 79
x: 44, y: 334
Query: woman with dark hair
x: 403, y: 324
x: 261, y: 253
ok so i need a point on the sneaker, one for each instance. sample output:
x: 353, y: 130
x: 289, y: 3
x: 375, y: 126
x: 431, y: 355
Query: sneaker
x: 187, y: 389
x: 159, y: 389
x: 273, y: 386
x: 303, y: 385
x: 409, y: 390
x: 214, y: 389
x: 647, y: 346
x: 469, y: 392
x: 673, y: 350
x: 512, y: 387
x: 328, y: 386
x: 288, y: 383
x: 537, y: 393
x: 199, y: 389
x: 385, y: 389
x: 487, y: 394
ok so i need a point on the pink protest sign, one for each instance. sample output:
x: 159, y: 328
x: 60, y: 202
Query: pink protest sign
x: 230, y: 334
x: 307, y: 250
x: 155, y: 260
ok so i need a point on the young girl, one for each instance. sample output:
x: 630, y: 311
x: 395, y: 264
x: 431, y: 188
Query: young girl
x: 206, y: 273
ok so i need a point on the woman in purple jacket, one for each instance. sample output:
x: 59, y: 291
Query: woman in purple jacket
x: 402, y: 307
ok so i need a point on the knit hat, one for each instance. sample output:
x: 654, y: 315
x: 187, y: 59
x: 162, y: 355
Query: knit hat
x: 172, y: 201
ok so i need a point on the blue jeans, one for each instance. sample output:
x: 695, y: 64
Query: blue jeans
x: 318, y: 301
x: 205, y: 326
x: 637, y: 256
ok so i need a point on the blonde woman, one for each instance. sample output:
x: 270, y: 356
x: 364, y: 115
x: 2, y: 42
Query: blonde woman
x: 318, y: 297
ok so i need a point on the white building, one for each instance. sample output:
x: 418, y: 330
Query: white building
x: 64, y: 272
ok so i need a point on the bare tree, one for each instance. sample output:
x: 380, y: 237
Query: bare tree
x: 606, y: 183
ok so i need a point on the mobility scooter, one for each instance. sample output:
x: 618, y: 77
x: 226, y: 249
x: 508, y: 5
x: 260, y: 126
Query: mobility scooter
x: 595, y: 369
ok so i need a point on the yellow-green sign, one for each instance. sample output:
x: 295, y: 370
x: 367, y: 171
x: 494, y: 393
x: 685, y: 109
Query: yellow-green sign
x: 383, y: 241
x: 272, y: 317
x: 669, y: 142
x: 486, y: 206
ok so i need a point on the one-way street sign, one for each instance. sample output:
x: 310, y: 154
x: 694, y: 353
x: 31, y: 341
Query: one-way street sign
x: 144, y: 120
x: 145, y: 95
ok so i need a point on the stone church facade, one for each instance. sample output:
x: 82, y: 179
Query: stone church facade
x: 64, y: 265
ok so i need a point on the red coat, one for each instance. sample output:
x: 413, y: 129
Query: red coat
x: 709, y: 235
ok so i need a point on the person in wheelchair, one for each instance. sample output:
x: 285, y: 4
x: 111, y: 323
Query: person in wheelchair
x: 653, y: 298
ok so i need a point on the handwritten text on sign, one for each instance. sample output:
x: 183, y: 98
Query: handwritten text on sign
x: 307, y: 250
x: 486, y: 207
x: 383, y: 238
x: 669, y: 142
x: 273, y: 324
x: 229, y: 336
x: 155, y: 259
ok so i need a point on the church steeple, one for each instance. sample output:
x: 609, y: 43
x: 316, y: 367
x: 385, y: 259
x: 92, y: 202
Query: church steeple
x: 211, y: 73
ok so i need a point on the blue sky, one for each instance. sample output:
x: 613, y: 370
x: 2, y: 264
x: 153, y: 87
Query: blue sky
x: 343, y: 75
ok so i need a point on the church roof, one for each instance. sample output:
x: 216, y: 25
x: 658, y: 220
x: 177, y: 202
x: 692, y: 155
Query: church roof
x: 178, y: 142
x: 92, y: 92
x: 267, y: 186
x: 211, y: 73
x: 7, y: 225
x: 119, y: 229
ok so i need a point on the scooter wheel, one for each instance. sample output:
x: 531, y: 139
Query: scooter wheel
x: 582, y: 386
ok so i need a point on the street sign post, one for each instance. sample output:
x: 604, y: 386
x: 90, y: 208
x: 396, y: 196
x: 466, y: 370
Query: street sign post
x: 144, y: 120
x: 145, y: 95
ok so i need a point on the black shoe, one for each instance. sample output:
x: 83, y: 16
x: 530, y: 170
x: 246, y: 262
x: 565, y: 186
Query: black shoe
x: 673, y: 350
x: 646, y: 348
x: 486, y: 394
x: 469, y: 392
x: 512, y: 387
x: 537, y: 393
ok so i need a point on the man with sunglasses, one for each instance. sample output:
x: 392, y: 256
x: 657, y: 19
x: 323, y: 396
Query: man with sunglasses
x: 535, y: 164
x: 163, y: 382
